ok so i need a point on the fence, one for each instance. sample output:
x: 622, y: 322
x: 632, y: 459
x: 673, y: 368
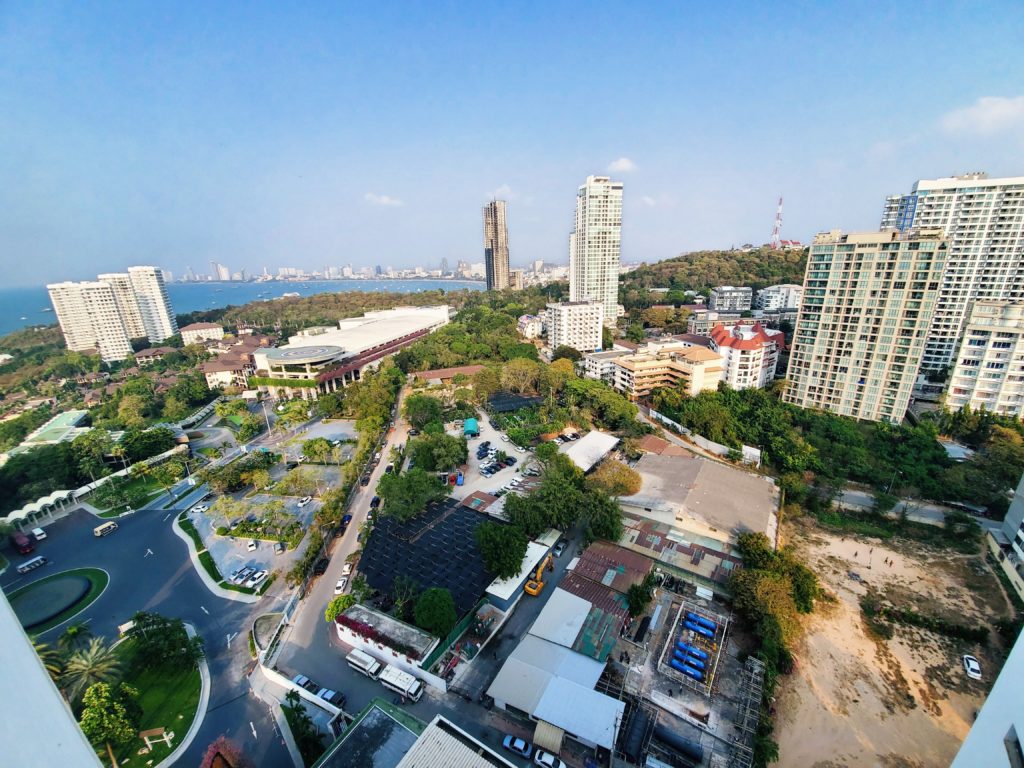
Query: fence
x: 750, y: 455
x: 454, y: 635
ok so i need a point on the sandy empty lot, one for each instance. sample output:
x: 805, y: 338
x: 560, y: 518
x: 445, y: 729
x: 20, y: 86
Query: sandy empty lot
x: 856, y: 699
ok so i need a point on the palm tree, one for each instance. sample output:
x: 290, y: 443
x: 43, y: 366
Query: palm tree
x: 96, y: 663
x: 74, y: 638
x: 51, y: 658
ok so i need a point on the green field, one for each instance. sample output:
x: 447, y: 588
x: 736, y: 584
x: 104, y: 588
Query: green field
x: 98, y: 580
x: 169, y: 698
x: 136, y: 492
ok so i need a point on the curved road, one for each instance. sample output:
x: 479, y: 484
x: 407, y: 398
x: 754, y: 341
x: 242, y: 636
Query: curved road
x: 150, y: 571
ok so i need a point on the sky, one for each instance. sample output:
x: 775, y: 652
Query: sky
x: 260, y: 134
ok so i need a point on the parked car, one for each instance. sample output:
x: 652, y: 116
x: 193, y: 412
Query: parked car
x: 340, y: 586
x: 375, y: 502
x: 251, y: 546
x: 300, y: 680
x: 413, y: 432
x: 38, y: 534
x: 972, y: 667
x: 320, y: 566
x: 547, y: 760
x: 560, y: 546
x: 389, y: 469
x: 279, y: 548
x: 310, y: 686
x: 240, y: 577
x: 256, y: 579
x: 304, y: 501
x: 364, y: 480
x: 337, y: 699
x: 326, y: 694
x: 517, y: 746
x: 346, y: 520
x: 504, y: 438
x: 347, y: 569
x: 520, y: 449
x: 200, y: 508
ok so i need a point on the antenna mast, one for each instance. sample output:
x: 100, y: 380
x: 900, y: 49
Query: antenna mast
x: 776, y: 241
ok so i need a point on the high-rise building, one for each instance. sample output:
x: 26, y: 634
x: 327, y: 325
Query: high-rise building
x: 538, y: 266
x: 90, y: 319
x: 988, y: 371
x: 595, y: 243
x: 127, y: 303
x: 729, y: 298
x: 576, y: 324
x: 776, y: 297
x: 154, y: 306
x: 750, y: 354
x: 868, y: 302
x: 983, y: 220
x: 515, y: 279
x: 496, y: 245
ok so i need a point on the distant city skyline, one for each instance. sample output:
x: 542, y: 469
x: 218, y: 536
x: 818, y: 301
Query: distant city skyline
x: 336, y: 135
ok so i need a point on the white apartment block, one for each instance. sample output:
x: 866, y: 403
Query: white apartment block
x: 127, y: 303
x: 496, y: 246
x: 701, y: 321
x: 151, y: 295
x: 531, y: 326
x: 90, y: 319
x: 667, y: 364
x: 197, y: 333
x: 868, y: 302
x: 576, y: 324
x: 594, y: 245
x: 729, y: 298
x: 750, y: 354
x: 983, y: 220
x: 989, y: 368
x: 776, y: 297
x: 600, y: 366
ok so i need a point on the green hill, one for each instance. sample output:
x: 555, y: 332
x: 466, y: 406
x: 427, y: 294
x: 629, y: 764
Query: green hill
x: 704, y: 269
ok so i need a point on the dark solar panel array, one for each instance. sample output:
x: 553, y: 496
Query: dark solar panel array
x: 436, y: 549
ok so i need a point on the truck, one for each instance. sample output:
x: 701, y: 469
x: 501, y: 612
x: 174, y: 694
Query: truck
x: 21, y: 543
x: 401, y: 682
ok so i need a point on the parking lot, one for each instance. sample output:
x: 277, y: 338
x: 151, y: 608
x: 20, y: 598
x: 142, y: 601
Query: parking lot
x: 473, y: 480
x: 334, y: 431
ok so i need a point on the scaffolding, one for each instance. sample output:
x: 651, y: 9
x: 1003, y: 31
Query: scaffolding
x: 748, y: 712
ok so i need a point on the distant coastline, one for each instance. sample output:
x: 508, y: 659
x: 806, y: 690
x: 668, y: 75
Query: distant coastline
x: 24, y: 307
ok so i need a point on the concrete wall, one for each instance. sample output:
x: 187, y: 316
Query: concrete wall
x: 386, y: 655
x: 750, y: 455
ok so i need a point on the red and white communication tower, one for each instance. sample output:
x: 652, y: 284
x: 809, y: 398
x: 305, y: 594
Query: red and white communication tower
x: 776, y: 241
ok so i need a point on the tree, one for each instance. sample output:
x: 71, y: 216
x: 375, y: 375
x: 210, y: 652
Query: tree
x: 615, y: 478
x: 95, y: 663
x: 639, y: 596
x: 568, y: 353
x: 485, y: 384
x: 439, y: 451
x: 110, y: 716
x: 90, y: 450
x: 635, y: 333
x: 435, y: 611
x: 163, y: 641
x: 338, y: 605
x: 407, y: 494
x: 53, y: 660
x: 225, y: 509
x: 251, y: 426
x: 131, y: 411
x: 74, y: 638
x: 258, y: 478
x: 420, y: 410
x: 602, y: 517
x: 317, y: 449
x: 502, y: 548
x: 520, y: 375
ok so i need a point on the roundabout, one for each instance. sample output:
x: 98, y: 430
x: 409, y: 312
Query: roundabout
x: 48, y: 602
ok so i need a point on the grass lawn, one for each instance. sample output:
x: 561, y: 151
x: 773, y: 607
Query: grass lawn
x: 190, y: 529
x: 138, y: 490
x: 169, y: 698
x: 213, y: 453
x: 98, y: 581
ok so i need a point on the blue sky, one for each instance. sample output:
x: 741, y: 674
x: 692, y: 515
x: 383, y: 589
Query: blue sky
x: 177, y: 133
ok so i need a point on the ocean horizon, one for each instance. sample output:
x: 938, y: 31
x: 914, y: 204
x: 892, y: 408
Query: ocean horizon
x: 28, y: 306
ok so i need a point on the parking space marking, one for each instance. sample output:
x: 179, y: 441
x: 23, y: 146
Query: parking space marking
x: 231, y: 636
x: 148, y: 553
x: 203, y: 609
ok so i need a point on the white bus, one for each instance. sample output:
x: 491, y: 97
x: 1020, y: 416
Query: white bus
x: 364, y: 664
x: 401, y: 682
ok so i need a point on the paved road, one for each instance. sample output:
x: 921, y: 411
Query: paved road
x: 166, y: 582
x: 917, y: 510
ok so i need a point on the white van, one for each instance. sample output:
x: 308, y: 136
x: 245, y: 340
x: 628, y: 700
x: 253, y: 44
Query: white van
x: 104, y: 530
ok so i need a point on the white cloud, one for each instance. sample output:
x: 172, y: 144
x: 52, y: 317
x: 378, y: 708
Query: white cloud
x: 988, y: 116
x: 648, y: 201
x: 387, y: 200
x: 504, y: 192
x: 622, y: 165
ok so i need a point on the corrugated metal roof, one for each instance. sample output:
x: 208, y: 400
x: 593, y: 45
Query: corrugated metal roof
x: 561, y: 618
x: 444, y: 745
x: 584, y: 712
x: 549, y: 737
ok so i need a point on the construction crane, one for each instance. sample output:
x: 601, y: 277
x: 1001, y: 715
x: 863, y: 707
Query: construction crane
x: 535, y: 585
x: 776, y: 241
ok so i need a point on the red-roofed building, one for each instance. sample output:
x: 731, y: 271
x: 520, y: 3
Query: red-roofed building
x: 750, y: 352
x: 444, y: 376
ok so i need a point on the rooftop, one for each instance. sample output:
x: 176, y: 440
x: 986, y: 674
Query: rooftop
x: 692, y: 492
x: 421, y: 642
x: 581, y: 710
x: 561, y: 619
x: 612, y: 566
x: 661, y: 446
x: 444, y: 745
x: 589, y: 449
x: 201, y: 327
x: 356, y: 335
x: 307, y: 354
x: 503, y: 589
x: 449, y: 373
x: 380, y: 736
x: 504, y: 402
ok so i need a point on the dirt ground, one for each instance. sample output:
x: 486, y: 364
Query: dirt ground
x: 857, y: 699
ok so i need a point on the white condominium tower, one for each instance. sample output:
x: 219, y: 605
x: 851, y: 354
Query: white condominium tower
x: 151, y: 295
x: 983, y: 220
x: 495, y: 246
x: 90, y: 319
x: 868, y: 303
x: 106, y: 314
x: 989, y: 369
x: 594, y: 245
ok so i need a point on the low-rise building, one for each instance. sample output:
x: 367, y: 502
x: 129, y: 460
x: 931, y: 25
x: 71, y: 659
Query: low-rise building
x: 152, y: 355
x: 776, y: 297
x: 989, y: 369
x: 576, y: 324
x: 750, y: 354
x: 690, y: 512
x: 701, y: 321
x: 531, y: 326
x: 446, y: 376
x: 226, y: 371
x: 601, y: 365
x: 694, y: 368
x: 730, y: 298
x: 588, y: 451
x: 197, y: 333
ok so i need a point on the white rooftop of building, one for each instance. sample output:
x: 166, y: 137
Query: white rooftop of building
x: 562, y: 618
x: 503, y: 589
x: 444, y: 745
x: 529, y: 669
x: 581, y: 711
x: 356, y: 335
x: 589, y: 449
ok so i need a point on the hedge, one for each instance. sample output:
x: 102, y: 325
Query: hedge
x: 264, y: 381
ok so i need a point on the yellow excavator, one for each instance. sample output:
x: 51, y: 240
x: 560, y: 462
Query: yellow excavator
x: 535, y: 585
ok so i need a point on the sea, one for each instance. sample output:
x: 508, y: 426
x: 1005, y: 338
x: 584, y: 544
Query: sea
x: 22, y: 307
